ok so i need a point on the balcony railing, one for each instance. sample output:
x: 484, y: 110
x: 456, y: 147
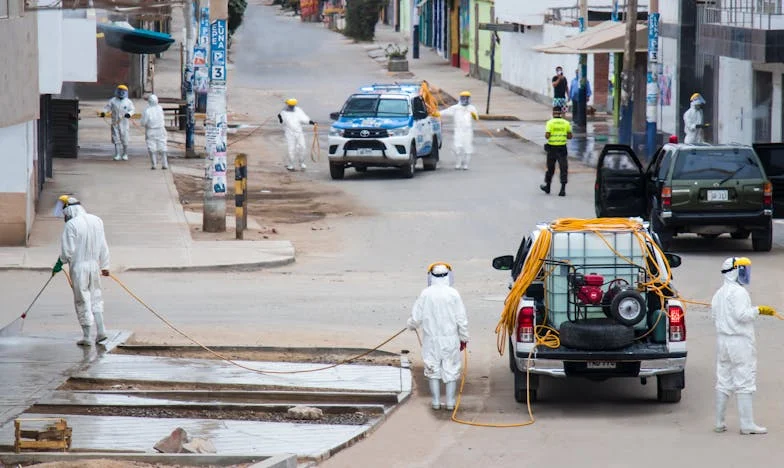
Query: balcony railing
x: 751, y: 14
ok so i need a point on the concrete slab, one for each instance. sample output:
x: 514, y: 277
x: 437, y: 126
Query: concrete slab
x: 128, y: 434
x: 33, y: 366
x: 179, y: 459
x: 206, y: 371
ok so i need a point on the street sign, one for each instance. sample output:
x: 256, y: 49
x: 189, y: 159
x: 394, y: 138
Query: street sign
x: 218, y: 73
x: 505, y: 27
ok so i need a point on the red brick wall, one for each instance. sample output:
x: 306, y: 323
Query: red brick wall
x: 601, y: 79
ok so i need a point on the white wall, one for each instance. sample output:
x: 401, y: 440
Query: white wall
x: 531, y: 12
x: 16, y: 160
x: 50, y: 51
x: 668, y: 102
x: 533, y: 71
x: 735, y: 106
x: 80, y: 49
x: 670, y: 11
x: 31, y: 137
x: 777, y: 70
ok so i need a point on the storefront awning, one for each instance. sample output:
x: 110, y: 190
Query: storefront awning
x: 607, y: 37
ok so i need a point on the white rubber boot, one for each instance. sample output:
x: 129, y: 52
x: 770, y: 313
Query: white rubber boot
x: 746, y: 413
x: 117, y: 152
x: 435, y: 391
x: 86, y: 341
x: 451, y: 388
x: 721, y: 410
x: 154, y: 159
x: 164, y: 160
x: 100, y: 334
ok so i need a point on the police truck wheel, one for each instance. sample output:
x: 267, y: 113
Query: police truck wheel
x: 337, y: 170
x: 525, y: 385
x: 431, y: 162
x: 410, y: 167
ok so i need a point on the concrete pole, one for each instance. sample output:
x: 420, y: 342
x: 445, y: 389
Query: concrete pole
x: 627, y: 76
x: 615, y: 70
x: 214, y: 207
x: 190, y: 97
x: 580, y: 108
x: 652, y: 88
x: 415, y: 28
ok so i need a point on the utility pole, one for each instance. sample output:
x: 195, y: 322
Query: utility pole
x: 493, y: 40
x: 627, y: 76
x: 615, y: 69
x: 214, y: 207
x: 652, y: 87
x: 190, y: 97
x: 580, y: 108
x: 415, y: 32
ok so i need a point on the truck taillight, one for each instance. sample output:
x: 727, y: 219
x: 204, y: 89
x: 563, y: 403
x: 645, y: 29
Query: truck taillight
x: 767, y: 195
x: 525, y: 325
x: 666, y: 198
x: 677, y: 323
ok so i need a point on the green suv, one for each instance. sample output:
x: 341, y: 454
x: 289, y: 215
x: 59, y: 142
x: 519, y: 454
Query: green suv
x: 701, y: 189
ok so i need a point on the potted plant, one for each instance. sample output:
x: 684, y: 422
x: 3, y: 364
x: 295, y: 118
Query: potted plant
x: 397, y: 58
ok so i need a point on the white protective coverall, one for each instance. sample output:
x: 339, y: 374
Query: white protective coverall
x: 440, y: 312
x: 736, y: 353
x: 463, y: 133
x: 293, y: 120
x: 155, y: 132
x: 84, y: 248
x: 692, y: 118
x: 120, y: 125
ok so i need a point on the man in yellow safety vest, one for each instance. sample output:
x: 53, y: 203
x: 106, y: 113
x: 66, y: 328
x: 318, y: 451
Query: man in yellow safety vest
x: 557, y: 132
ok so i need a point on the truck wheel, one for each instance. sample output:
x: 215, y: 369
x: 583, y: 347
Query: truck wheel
x: 410, y: 167
x: 669, y: 387
x: 628, y: 307
x: 521, y: 389
x: 665, y: 235
x: 431, y: 162
x: 337, y: 170
x: 511, y: 352
x: 762, y: 241
x: 595, y: 334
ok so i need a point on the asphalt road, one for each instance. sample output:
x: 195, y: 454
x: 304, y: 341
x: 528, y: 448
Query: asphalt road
x: 358, y: 289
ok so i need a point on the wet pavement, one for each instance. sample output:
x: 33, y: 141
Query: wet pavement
x: 209, y: 371
x: 33, y: 366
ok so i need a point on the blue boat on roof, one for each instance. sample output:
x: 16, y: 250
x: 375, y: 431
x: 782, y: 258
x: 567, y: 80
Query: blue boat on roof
x: 135, y: 41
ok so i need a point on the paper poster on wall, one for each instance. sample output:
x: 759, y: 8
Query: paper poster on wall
x: 219, y: 163
x: 219, y: 184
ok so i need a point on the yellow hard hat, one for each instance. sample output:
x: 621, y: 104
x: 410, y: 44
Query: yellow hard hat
x: 122, y: 86
x: 465, y: 94
x: 64, y: 199
x: 694, y: 96
x: 433, y: 265
x: 742, y: 261
x: 291, y: 102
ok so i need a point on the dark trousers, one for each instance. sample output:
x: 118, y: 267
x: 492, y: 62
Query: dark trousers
x: 556, y: 154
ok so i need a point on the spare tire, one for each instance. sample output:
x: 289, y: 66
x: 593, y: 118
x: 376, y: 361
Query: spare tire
x: 598, y: 334
x: 628, y: 307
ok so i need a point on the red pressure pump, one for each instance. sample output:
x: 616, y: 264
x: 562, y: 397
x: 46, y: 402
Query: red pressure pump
x: 589, y: 288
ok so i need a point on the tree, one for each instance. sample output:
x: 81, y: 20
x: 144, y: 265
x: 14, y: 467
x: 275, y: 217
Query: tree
x: 236, y: 13
x: 361, y: 18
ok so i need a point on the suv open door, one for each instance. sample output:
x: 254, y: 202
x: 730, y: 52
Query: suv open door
x: 620, y: 183
x: 771, y: 156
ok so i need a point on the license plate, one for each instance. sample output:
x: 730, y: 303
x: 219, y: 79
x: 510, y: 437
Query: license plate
x: 600, y: 365
x: 718, y: 195
x: 365, y: 152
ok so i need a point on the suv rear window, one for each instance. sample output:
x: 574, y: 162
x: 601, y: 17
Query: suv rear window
x: 712, y: 163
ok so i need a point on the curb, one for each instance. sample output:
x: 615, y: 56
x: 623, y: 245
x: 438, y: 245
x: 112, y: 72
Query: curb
x: 253, y: 266
x: 263, y: 461
x: 509, y: 118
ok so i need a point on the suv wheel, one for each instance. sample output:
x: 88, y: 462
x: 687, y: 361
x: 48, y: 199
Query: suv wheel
x: 410, y: 167
x: 525, y: 385
x: 762, y: 241
x: 337, y: 170
x: 665, y: 235
x: 430, y: 162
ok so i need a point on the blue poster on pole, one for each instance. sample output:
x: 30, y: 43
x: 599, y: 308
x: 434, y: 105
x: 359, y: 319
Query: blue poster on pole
x: 653, y: 37
x: 218, y: 38
x: 204, y: 28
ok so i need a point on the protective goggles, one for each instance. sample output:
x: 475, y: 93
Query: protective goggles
x: 431, y: 275
x: 743, y: 265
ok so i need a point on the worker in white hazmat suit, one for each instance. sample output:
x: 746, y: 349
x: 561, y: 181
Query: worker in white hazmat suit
x: 440, y: 312
x: 155, y: 132
x: 693, y: 120
x: 122, y: 110
x: 84, y: 248
x: 736, y: 354
x: 463, y: 112
x: 293, y: 118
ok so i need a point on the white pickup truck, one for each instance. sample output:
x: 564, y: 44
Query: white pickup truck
x: 609, y: 323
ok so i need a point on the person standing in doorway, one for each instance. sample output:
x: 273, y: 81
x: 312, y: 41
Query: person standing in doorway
x: 574, y: 92
x: 560, y: 90
x: 557, y: 132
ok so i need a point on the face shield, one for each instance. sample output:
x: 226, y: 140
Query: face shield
x: 698, y: 102
x: 121, y: 93
x: 440, y: 271
x: 465, y: 100
x: 744, y: 274
x: 740, y: 265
